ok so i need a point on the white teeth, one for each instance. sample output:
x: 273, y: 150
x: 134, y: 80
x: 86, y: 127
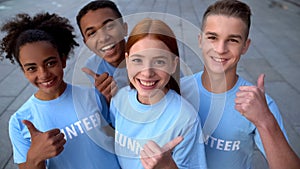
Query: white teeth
x: 219, y: 59
x: 107, y: 47
x: 147, y: 83
x: 46, y: 83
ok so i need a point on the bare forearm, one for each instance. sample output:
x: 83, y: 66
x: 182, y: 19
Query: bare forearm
x: 32, y: 165
x: 278, y: 151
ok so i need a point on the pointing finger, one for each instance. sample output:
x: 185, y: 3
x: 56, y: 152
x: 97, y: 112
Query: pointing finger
x: 89, y: 72
x: 173, y: 143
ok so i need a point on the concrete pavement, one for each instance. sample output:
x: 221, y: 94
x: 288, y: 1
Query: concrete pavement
x: 274, y: 51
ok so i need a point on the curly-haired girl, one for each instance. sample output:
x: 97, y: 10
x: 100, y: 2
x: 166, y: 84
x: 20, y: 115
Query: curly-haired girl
x: 52, y: 128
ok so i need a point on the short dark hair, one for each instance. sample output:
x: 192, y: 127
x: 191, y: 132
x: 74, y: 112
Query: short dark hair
x: 232, y: 8
x: 98, y: 4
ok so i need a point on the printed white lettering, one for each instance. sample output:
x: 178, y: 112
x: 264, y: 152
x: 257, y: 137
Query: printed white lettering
x: 220, y: 144
x: 122, y: 142
x: 76, y: 128
x: 236, y: 145
x: 78, y: 124
x: 212, y: 141
x: 71, y: 132
x: 94, y: 121
x: 98, y: 117
x: 87, y: 124
x: 129, y: 143
x: 227, y: 145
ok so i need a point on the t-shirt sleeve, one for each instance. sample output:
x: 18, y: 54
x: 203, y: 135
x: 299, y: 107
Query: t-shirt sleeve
x: 20, y: 140
x: 103, y: 106
x: 190, y: 91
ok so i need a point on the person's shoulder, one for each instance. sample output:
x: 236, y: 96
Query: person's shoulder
x: 79, y: 87
x: 123, y: 92
x: 186, y: 114
x: 94, y: 58
x: 192, y: 77
x: 243, y: 82
x: 24, y: 111
x: 190, y: 86
x: 182, y: 104
x: 93, y: 61
x: 84, y: 92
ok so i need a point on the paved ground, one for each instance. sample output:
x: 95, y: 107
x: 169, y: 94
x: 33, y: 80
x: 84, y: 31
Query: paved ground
x: 274, y: 51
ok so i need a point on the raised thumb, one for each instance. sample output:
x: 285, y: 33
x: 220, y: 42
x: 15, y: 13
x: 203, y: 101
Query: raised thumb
x: 32, y: 130
x: 261, y: 82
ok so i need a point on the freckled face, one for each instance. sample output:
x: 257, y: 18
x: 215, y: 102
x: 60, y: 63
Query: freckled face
x: 43, y: 68
x: 149, y: 66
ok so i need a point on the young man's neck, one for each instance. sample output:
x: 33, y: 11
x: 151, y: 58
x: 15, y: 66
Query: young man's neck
x: 120, y: 63
x: 218, y: 83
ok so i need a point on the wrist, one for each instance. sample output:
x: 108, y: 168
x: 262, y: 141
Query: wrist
x: 268, y: 123
x: 34, y: 161
x: 172, y: 165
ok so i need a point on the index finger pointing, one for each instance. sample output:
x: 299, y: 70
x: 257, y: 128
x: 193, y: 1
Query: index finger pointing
x: 89, y: 72
x: 173, y: 143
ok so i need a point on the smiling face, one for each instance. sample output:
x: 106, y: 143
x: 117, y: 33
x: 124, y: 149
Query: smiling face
x: 150, y: 64
x: 43, y: 68
x: 104, y: 34
x: 223, y: 41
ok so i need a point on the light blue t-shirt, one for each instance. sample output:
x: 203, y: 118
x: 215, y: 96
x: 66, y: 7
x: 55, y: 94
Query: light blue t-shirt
x: 229, y: 137
x: 100, y: 66
x: 137, y: 123
x: 81, y: 121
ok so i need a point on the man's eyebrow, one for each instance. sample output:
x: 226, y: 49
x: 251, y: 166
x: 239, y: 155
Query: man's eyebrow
x: 29, y: 64
x: 236, y: 36
x: 211, y: 33
x: 230, y: 36
x: 104, y: 23
x: 49, y: 58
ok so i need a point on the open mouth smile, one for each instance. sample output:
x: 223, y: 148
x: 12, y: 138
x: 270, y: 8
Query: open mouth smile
x: 108, y: 47
x: 47, y: 84
x: 219, y: 60
x: 147, y: 83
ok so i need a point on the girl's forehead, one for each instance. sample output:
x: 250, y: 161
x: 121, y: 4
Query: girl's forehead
x: 151, y: 53
x: 148, y: 43
x: 37, y: 52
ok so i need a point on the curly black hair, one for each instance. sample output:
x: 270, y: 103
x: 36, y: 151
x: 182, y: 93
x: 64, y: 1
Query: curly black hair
x: 23, y: 29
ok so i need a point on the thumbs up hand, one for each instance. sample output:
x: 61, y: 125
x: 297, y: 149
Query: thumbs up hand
x: 104, y: 83
x: 44, y: 145
x: 251, y: 102
x: 155, y: 157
